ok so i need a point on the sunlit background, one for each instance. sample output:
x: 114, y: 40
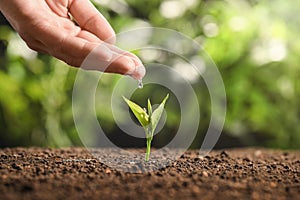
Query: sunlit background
x: 255, y: 45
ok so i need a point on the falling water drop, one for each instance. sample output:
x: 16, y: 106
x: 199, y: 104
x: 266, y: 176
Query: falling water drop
x: 140, y: 84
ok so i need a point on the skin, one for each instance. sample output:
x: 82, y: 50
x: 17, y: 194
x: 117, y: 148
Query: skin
x: 46, y: 26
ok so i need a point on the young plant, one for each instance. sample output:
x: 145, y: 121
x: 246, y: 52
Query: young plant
x: 148, y: 120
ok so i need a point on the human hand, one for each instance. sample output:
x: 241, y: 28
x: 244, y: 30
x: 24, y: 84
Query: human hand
x: 45, y: 26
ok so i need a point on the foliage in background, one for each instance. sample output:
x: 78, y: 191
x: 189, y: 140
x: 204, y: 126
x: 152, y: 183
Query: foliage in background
x: 254, y: 44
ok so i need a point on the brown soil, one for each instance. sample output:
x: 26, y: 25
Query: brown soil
x: 37, y: 173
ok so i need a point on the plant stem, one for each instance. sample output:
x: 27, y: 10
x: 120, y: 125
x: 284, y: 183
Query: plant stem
x: 148, y: 149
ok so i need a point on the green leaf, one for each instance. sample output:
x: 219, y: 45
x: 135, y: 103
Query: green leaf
x: 149, y: 109
x: 139, y: 112
x: 156, y: 115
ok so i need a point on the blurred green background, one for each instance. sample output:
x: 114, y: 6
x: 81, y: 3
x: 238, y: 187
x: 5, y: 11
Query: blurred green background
x: 255, y: 45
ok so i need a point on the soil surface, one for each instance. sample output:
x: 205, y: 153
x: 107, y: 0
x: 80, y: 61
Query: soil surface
x: 75, y: 173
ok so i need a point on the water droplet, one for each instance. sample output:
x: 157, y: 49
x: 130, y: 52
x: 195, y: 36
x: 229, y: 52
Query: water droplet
x: 140, y: 84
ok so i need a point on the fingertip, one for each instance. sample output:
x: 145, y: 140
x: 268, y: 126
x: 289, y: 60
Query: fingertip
x: 126, y: 65
x: 138, y: 72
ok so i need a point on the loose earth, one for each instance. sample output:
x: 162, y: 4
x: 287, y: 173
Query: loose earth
x: 76, y: 173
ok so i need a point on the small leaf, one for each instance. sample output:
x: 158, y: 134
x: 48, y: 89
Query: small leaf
x: 149, y: 109
x: 156, y: 115
x: 139, y: 113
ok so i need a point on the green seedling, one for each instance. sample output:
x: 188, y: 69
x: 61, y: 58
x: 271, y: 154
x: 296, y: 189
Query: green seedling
x: 148, y: 120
